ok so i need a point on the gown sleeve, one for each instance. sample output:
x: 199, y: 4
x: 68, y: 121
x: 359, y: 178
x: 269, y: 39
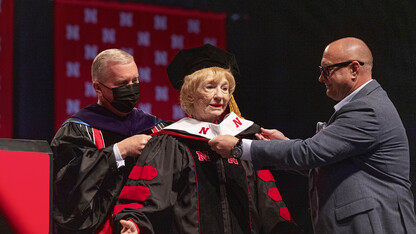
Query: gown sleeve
x: 154, y: 185
x: 86, y: 179
x: 274, y: 215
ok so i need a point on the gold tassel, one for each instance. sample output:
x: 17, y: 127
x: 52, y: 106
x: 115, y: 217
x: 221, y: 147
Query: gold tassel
x: 232, y: 104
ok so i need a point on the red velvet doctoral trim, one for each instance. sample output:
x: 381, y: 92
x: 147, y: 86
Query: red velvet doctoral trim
x: 137, y: 193
x: 119, y: 207
x: 166, y: 132
x: 145, y: 173
x: 275, y: 194
x: 135, y: 173
x: 107, y: 226
x: 266, y: 175
x: 98, y: 138
x: 284, y: 213
x: 197, y: 194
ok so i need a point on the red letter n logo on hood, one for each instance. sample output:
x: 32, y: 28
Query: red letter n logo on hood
x: 204, y: 131
x: 237, y: 122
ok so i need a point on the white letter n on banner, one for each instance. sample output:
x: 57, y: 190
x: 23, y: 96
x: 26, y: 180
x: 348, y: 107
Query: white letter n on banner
x: 72, y: 106
x: 72, y: 69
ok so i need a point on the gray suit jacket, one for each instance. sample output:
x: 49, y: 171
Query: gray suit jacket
x: 358, y: 167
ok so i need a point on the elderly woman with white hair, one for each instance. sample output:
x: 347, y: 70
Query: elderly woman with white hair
x: 179, y: 185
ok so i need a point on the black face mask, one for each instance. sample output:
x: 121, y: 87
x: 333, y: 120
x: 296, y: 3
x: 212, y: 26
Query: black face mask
x: 125, y: 97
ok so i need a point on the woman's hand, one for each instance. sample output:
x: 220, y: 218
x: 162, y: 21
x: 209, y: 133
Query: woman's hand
x: 128, y: 227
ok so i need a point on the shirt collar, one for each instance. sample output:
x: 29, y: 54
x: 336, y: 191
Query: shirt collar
x: 348, y: 98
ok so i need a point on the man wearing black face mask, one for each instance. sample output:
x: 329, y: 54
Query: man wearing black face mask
x: 124, y: 97
x: 94, y: 149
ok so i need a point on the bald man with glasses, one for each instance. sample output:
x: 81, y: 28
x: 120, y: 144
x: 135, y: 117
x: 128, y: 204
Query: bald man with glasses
x: 358, y: 162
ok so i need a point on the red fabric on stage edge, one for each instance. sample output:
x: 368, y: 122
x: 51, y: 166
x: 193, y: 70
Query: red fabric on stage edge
x: 25, y: 191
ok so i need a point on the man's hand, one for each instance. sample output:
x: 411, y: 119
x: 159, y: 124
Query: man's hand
x: 128, y: 227
x: 133, y: 146
x: 270, y: 134
x: 223, y: 145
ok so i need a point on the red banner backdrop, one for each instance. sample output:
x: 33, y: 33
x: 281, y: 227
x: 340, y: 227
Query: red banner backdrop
x: 6, y: 68
x: 152, y: 34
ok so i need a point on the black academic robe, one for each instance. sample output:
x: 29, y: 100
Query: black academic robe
x: 86, y: 178
x: 179, y: 185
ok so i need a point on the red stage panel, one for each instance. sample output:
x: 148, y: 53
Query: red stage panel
x: 152, y: 34
x: 6, y: 68
x: 25, y: 191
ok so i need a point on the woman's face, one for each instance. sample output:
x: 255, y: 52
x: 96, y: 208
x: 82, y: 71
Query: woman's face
x: 211, y: 99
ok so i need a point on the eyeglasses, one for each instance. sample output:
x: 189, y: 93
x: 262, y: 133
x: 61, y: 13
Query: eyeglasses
x: 325, y: 70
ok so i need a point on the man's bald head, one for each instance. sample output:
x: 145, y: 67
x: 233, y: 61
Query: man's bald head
x: 346, y: 65
x: 350, y: 49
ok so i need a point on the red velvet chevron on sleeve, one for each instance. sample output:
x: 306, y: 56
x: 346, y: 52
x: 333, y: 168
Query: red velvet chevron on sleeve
x: 137, y: 193
x: 266, y: 175
x: 274, y: 193
x: 145, y: 173
x: 284, y: 213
